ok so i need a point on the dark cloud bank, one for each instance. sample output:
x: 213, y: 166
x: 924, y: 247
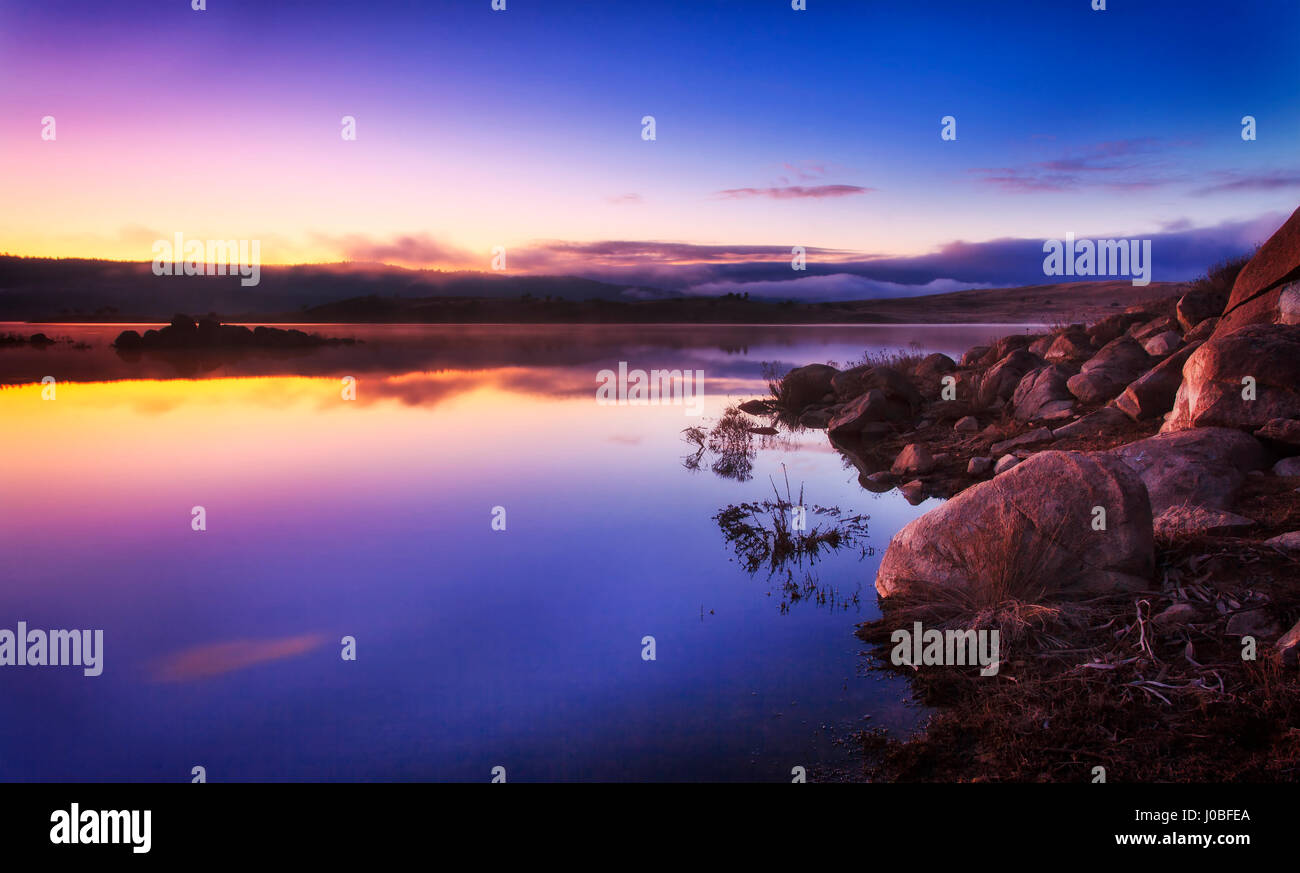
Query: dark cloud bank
x: 1179, y: 253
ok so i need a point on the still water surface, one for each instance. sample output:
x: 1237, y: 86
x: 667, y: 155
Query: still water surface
x: 371, y: 518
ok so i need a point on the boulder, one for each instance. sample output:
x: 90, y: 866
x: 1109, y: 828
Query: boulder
x: 1212, y: 393
x: 1112, y: 327
x: 1281, y: 430
x: 1028, y: 532
x: 914, y: 459
x: 874, y: 406
x: 1188, y: 520
x: 1153, y: 393
x: 1005, y: 463
x: 1252, y: 623
x: 1001, y: 380
x: 804, y: 386
x: 1042, y: 393
x: 929, y: 372
x: 1156, y: 326
x: 1041, y: 345
x: 1288, y: 648
x: 1204, y: 467
x: 1177, y: 615
x: 933, y: 366
x: 1257, y: 293
x: 1109, y: 371
x: 1162, y: 344
x: 1289, y: 542
x: 1059, y: 410
x: 966, y: 424
x: 1005, y: 346
x: 979, y: 466
x: 1288, y: 304
x: 1195, y: 307
x: 1093, y: 423
x: 859, y: 380
x: 1287, y: 467
x: 1070, y: 347
x: 974, y: 355
x: 1028, y: 438
x: 1202, y: 331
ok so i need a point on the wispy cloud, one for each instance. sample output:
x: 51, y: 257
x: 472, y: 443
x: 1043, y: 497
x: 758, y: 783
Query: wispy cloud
x: 802, y: 171
x: 1122, y: 165
x: 214, y: 659
x: 1271, y: 180
x: 794, y: 192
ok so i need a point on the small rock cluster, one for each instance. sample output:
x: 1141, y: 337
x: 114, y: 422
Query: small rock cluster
x: 184, y: 333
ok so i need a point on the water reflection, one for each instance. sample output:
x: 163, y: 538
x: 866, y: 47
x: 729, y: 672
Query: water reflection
x: 371, y: 519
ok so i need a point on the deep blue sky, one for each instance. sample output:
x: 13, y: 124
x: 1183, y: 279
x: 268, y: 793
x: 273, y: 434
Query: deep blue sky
x: 522, y: 128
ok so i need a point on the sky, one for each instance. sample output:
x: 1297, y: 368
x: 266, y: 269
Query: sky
x: 774, y: 128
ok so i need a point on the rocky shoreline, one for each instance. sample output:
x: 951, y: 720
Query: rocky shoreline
x: 1123, y: 504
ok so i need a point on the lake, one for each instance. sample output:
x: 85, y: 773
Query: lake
x: 372, y: 518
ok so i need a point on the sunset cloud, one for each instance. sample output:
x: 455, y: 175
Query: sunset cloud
x: 417, y: 249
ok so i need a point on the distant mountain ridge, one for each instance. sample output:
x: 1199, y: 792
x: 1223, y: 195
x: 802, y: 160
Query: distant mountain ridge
x: 68, y: 288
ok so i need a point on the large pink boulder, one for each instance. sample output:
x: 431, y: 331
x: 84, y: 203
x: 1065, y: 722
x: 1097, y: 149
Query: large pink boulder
x: 1243, y: 379
x: 1030, y: 532
x: 1265, y: 288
